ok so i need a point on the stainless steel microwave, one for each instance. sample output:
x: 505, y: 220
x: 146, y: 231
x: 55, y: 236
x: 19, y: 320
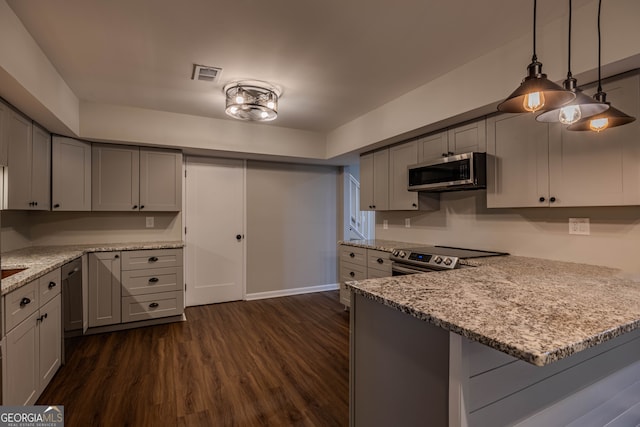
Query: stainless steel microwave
x: 459, y: 172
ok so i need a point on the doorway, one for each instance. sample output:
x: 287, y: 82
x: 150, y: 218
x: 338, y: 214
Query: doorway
x: 214, y: 230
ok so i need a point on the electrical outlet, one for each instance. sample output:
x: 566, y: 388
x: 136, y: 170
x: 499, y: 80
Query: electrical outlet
x: 150, y: 222
x: 579, y: 226
x: 385, y: 224
x: 407, y: 223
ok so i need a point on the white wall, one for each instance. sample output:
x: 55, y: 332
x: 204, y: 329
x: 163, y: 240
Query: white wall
x: 464, y: 221
x: 22, y: 229
x: 292, y: 226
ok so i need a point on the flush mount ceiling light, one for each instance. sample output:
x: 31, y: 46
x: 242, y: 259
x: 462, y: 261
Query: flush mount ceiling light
x: 612, y: 117
x: 252, y: 100
x: 536, y: 91
x: 582, y: 106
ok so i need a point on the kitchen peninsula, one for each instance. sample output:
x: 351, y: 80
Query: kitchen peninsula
x: 513, y: 340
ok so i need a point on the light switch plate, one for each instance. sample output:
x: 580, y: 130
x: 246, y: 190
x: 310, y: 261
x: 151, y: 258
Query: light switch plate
x: 579, y: 226
x: 385, y: 224
x: 150, y: 222
x: 407, y: 222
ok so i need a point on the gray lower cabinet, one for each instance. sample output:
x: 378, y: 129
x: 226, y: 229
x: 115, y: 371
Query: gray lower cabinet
x: 105, y: 289
x: 70, y: 174
x: 359, y: 264
x: 33, y: 319
x: 125, y: 178
x: 129, y: 286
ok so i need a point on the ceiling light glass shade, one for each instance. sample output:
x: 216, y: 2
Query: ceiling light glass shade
x: 610, y: 118
x: 582, y: 106
x: 535, y: 93
x: 252, y: 100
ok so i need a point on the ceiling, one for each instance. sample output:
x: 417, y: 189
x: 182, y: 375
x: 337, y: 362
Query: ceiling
x: 334, y: 59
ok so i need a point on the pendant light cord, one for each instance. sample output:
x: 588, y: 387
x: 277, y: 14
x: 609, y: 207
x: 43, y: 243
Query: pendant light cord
x: 599, y: 48
x: 534, y: 58
x: 569, y: 75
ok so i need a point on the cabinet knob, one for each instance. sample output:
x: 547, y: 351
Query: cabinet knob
x: 542, y: 199
x: 380, y: 261
x: 117, y: 256
x: 552, y: 199
x: 352, y: 274
x: 239, y: 237
x: 135, y: 207
x: 57, y: 205
x: 153, y: 259
x: 24, y: 301
x: 35, y: 203
x: 352, y: 255
x: 154, y: 280
x: 52, y: 285
x: 153, y: 305
x: 414, y: 205
x: 141, y: 206
x: 373, y: 207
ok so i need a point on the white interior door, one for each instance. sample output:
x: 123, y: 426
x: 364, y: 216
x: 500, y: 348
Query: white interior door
x: 214, y: 217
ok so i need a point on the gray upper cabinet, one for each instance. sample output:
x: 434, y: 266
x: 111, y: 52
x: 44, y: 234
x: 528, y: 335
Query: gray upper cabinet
x: 160, y: 180
x: 133, y: 179
x: 27, y: 175
x: 534, y: 164
x: 374, y: 181
x: 70, y: 174
x: 4, y: 129
x: 400, y: 157
x: 115, y: 178
x: 457, y: 140
x: 433, y: 146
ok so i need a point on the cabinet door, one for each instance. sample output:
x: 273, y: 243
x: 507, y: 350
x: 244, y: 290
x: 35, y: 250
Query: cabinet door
x: 517, y: 165
x: 467, y: 138
x: 21, y: 375
x: 41, y: 169
x: 433, y: 146
x: 160, y: 180
x: 17, y: 176
x: 599, y: 169
x: 366, y: 182
x: 115, y: 178
x: 70, y: 175
x: 104, y: 289
x: 400, y: 157
x: 50, y: 336
x: 4, y: 122
x: 381, y: 180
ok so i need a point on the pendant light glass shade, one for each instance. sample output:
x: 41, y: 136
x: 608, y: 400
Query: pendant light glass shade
x: 611, y: 117
x: 535, y: 92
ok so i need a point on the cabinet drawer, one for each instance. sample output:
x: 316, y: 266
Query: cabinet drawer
x: 349, y: 271
x: 379, y: 260
x: 21, y: 303
x: 151, y: 306
x: 353, y: 254
x: 152, y: 280
x: 50, y: 285
x: 136, y: 260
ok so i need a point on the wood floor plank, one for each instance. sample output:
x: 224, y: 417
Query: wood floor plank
x: 274, y: 362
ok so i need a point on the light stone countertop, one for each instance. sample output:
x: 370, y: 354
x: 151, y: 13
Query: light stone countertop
x: 380, y: 245
x: 534, y: 309
x: 40, y: 260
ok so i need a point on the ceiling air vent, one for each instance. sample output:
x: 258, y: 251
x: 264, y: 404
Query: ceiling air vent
x: 205, y: 73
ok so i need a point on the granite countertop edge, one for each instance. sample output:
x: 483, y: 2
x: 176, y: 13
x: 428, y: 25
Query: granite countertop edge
x: 40, y: 260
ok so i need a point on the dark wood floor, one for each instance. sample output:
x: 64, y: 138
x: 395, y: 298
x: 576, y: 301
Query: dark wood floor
x: 274, y: 362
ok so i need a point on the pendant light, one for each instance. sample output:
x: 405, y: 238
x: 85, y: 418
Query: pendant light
x: 582, y: 106
x: 536, y: 91
x: 612, y: 117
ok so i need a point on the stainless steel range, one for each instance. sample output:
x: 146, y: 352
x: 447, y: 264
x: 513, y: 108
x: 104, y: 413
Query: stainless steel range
x: 429, y: 258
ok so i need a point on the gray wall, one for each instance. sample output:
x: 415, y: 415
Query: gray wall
x: 292, y: 226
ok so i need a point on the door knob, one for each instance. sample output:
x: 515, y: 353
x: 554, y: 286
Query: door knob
x: 239, y: 237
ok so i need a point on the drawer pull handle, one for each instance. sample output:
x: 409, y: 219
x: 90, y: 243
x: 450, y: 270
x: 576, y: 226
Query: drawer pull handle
x: 52, y: 285
x: 352, y: 274
x: 352, y: 255
x: 24, y: 301
x: 154, y: 280
x: 380, y: 261
x: 153, y: 305
x: 153, y: 259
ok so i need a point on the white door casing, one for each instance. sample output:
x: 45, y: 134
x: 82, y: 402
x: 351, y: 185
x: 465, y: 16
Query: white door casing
x: 214, y: 216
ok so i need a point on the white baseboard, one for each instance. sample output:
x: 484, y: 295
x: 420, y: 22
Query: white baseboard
x: 294, y: 291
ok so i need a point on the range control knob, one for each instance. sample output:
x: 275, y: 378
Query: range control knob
x: 402, y: 254
x: 437, y: 260
x: 447, y: 261
x: 395, y: 253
